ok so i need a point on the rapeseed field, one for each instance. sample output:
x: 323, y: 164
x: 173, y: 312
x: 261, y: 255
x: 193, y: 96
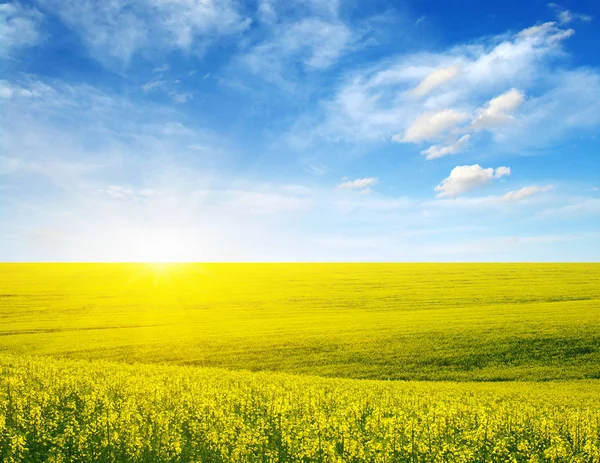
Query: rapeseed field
x: 300, y: 362
x: 74, y: 411
x: 370, y: 321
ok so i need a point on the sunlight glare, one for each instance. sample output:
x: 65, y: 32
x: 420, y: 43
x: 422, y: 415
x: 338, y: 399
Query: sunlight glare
x: 163, y: 246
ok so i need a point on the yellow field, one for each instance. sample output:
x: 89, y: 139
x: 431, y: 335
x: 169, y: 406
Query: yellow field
x: 98, y: 411
x: 533, y: 329
x: 377, y: 321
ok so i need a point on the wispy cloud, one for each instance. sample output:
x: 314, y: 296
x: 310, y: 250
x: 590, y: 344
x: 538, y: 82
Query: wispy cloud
x: 498, y: 111
x: 161, y: 147
x: 438, y: 151
x: 526, y: 192
x: 431, y: 126
x: 169, y: 87
x: 181, y: 97
x: 298, y: 40
x: 114, y: 30
x: 19, y: 26
x: 567, y: 16
x: 153, y: 85
x: 435, y: 79
x: 470, y: 88
x: 311, y: 43
x: 127, y: 192
x: 65, y: 133
x: 314, y: 42
x: 362, y: 184
x: 575, y: 208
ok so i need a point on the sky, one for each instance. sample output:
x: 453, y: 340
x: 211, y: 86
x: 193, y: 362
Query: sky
x: 299, y: 130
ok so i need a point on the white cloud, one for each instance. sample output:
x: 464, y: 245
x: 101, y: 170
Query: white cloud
x: 153, y: 85
x: 576, y: 208
x: 314, y: 43
x: 297, y: 37
x: 6, y: 90
x: 127, y: 192
x: 378, y: 101
x: 316, y: 168
x: 566, y: 16
x: 547, y: 32
x: 185, y: 20
x: 273, y: 11
x: 518, y: 59
x: 438, y: 151
x: 62, y: 135
x: 362, y: 184
x: 498, y: 111
x: 29, y: 89
x: 562, y: 112
x: 181, y: 97
x: 113, y: 29
x: 435, y: 79
x: 502, y: 171
x: 463, y: 179
x: 430, y: 126
x: 19, y: 26
x: 266, y: 12
x: 169, y: 88
x: 161, y: 69
x: 526, y: 192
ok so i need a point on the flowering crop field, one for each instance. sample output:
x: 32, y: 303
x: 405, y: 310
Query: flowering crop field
x: 77, y: 410
x: 300, y: 362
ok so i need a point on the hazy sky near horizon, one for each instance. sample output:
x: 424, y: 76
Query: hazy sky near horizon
x: 299, y: 130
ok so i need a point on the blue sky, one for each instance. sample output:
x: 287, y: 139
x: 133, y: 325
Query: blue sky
x: 307, y: 130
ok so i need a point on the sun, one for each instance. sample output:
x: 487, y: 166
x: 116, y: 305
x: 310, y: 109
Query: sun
x: 162, y: 246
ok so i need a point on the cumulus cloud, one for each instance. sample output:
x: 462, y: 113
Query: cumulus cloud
x: 461, y: 85
x: 526, y: 192
x: 362, y: 184
x: 430, y: 126
x: 19, y: 26
x: 463, y: 179
x: 438, y: 151
x: 498, y: 111
x: 435, y: 79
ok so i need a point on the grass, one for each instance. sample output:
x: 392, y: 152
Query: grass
x: 377, y: 321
